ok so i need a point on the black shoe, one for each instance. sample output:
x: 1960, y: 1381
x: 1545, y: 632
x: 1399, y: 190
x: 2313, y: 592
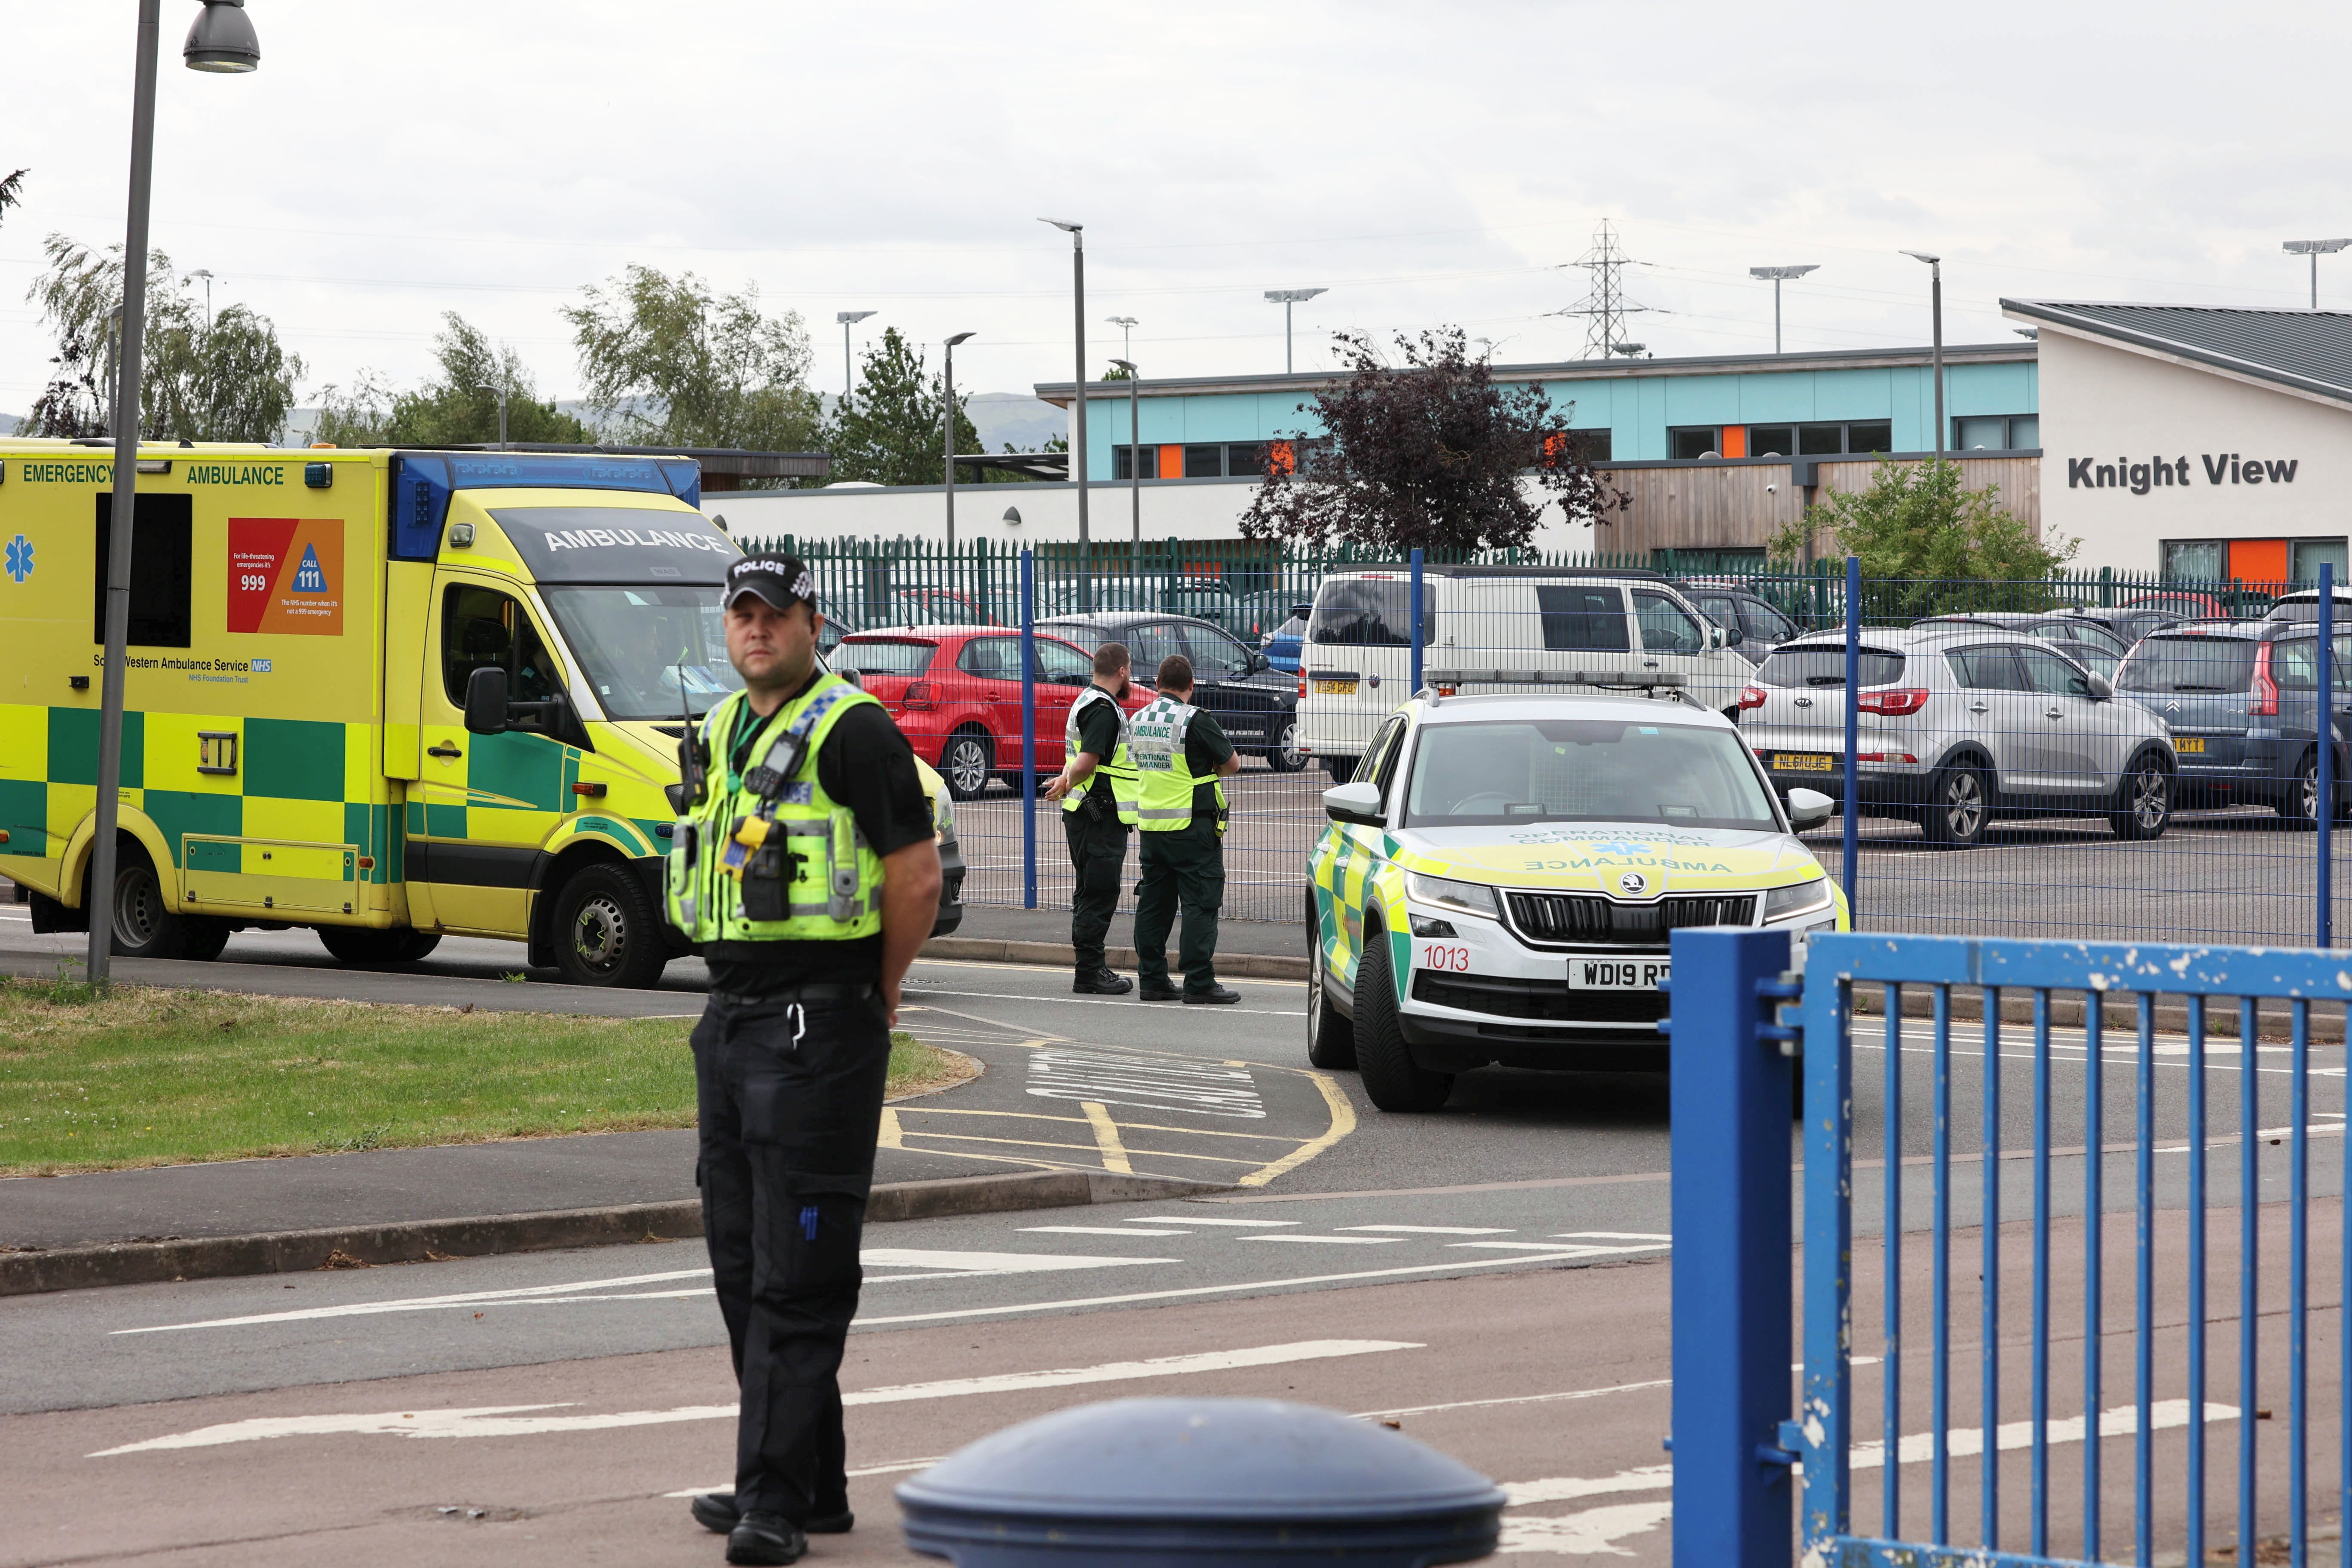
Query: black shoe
x: 764, y: 1537
x: 1161, y: 992
x: 1214, y: 997
x: 1103, y: 982
x: 717, y: 1512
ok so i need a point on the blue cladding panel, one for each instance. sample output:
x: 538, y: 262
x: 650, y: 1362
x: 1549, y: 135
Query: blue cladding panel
x: 1776, y: 396
x: 1989, y: 389
x: 1854, y: 394
x: 1703, y: 400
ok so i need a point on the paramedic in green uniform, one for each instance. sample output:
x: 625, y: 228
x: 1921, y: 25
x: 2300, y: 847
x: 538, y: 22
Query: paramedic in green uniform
x: 804, y: 871
x: 1181, y: 758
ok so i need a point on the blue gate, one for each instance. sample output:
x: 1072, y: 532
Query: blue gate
x: 2113, y: 1250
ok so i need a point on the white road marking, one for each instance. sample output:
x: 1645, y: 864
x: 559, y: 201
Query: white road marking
x: 1437, y: 1229
x: 1100, y: 1001
x: 503, y: 1421
x: 949, y: 1264
x: 1097, y: 1230
x: 1510, y: 1246
x: 1329, y: 1240
x: 1515, y: 1399
x: 1595, y: 1531
x: 727, y: 1489
x: 1610, y: 1236
x: 1115, y: 1078
x: 1236, y: 1224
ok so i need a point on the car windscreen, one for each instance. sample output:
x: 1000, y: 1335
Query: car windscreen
x: 885, y: 656
x: 616, y: 544
x: 1369, y: 612
x: 2162, y: 663
x: 1522, y: 771
x: 650, y: 652
x: 1823, y: 664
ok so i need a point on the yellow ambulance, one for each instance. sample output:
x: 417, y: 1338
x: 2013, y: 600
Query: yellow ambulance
x: 388, y: 695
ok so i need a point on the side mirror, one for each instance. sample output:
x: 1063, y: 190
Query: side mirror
x: 485, y: 701
x: 1356, y: 802
x: 1809, y: 808
x: 2101, y: 686
x: 1259, y: 661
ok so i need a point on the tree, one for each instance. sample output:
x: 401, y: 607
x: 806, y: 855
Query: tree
x: 890, y: 431
x: 1429, y: 455
x: 225, y: 379
x: 668, y: 362
x: 457, y: 409
x: 1931, y: 542
x: 12, y: 190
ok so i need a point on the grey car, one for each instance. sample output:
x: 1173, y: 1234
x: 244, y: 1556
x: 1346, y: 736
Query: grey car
x: 1959, y: 723
x: 2242, y: 699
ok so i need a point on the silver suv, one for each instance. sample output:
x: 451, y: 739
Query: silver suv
x: 1959, y: 723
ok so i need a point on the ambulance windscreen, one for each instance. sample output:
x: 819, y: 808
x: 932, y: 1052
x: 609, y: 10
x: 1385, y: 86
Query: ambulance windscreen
x: 617, y: 544
x: 651, y: 653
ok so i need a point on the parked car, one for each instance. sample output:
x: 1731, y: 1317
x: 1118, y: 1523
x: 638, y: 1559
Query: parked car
x: 1284, y: 644
x: 1256, y: 706
x: 1500, y: 628
x: 1255, y: 617
x: 1755, y: 627
x: 2242, y: 703
x: 956, y: 693
x: 2130, y: 625
x: 2304, y: 605
x: 1961, y: 722
x: 2181, y: 602
x: 2083, y: 639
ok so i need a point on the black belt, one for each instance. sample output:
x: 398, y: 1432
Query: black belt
x: 826, y: 993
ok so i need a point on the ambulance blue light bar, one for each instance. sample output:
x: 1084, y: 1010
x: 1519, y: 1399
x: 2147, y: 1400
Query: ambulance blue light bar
x: 422, y: 483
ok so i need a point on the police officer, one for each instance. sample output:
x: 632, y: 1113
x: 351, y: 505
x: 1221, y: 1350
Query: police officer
x: 805, y: 873
x: 1181, y: 756
x: 1097, y: 792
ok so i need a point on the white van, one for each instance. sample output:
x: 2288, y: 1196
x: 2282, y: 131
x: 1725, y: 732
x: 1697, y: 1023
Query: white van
x: 1499, y: 628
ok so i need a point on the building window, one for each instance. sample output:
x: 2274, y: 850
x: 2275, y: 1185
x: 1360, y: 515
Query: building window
x: 1245, y: 459
x: 1692, y: 441
x: 2199, y: 560
x: 1870, y: 436
x: 1997, y: 432
x: 1820, y: 440
x: 1204, y: 462
x: 1122, y: 462
x: 2307, y: 556
x: 1590, y: 446
x: 1771, y: 440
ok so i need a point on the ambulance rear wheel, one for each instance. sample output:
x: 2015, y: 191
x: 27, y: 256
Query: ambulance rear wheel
x: 206, y: 937
x: 605, y: 931
x: 144, y: 925
x: 365, y: 948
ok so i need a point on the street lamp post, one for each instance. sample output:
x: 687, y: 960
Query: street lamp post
x: 947, y: 386
x: 2314, y: 248
x: 1126, y: 326
x: 1777, y: 274
x: 1936, y: 310
x: 1287, y: 298
x: 222, y: 40
x: 1077, y: 233
x: 1134, y: 458
x: 847, y: 319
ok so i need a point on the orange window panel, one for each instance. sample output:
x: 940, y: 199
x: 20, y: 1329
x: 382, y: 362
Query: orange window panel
x: 1734, y: 440
x: 1171, y: 462
x: 2258, y: 560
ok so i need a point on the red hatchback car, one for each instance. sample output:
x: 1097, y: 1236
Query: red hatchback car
x: 956, y: 693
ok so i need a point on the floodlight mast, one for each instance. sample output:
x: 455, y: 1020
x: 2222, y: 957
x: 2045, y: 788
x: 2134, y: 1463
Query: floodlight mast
x: 1936, y: 310
x: 2314, y: 248
x: 1777, y: 274
x: 1078, y: 475
x: 947, y: 397
x: 849, y: 319
x: 1287, y: 298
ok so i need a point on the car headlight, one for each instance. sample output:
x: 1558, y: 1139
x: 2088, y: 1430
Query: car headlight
x: 1470, y: 897
x: 1799, y: 899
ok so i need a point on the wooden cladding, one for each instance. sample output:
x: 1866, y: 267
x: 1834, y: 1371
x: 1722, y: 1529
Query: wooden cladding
x: 1726, y: 506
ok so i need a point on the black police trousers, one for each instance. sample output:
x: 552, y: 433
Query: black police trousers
x: 1098, y: 861
x: 1184, y: 869
x: 789, y: 1091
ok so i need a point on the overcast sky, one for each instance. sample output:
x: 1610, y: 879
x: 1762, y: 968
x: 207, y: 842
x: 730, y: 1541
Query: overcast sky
x: 1427, y: 164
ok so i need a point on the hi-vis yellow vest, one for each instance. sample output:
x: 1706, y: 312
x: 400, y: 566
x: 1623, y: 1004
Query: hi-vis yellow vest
x: 1118, y: 767
x: 1156, y: 741
x: 766, y: 855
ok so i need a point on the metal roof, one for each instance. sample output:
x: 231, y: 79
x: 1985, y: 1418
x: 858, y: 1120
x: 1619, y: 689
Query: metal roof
x: 2310, y: 351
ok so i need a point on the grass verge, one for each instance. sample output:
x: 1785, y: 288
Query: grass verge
x: 138, y: 1076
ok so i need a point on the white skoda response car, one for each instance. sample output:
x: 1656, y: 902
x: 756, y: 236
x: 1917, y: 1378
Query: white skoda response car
x: 1497, y: 884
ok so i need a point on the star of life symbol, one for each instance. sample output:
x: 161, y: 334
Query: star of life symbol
x: 20, y: 558
x: 1621, y: 848
x: 309, y: 578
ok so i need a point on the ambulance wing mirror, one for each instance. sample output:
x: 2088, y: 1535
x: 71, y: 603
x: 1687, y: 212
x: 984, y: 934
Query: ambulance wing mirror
x: 485, y: 701
x: 1357, y: 803
x: 1809, y: 808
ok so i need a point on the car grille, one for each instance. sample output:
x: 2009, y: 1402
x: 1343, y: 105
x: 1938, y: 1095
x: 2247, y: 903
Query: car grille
x: 1582, y: 918
x: 677, y: 731
x: 1543, y: 1000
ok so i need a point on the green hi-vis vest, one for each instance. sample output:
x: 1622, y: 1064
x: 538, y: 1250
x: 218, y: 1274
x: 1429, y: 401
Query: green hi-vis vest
x: 1118, y: 767
x: 767, y: 856
x: 1156, y: 739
